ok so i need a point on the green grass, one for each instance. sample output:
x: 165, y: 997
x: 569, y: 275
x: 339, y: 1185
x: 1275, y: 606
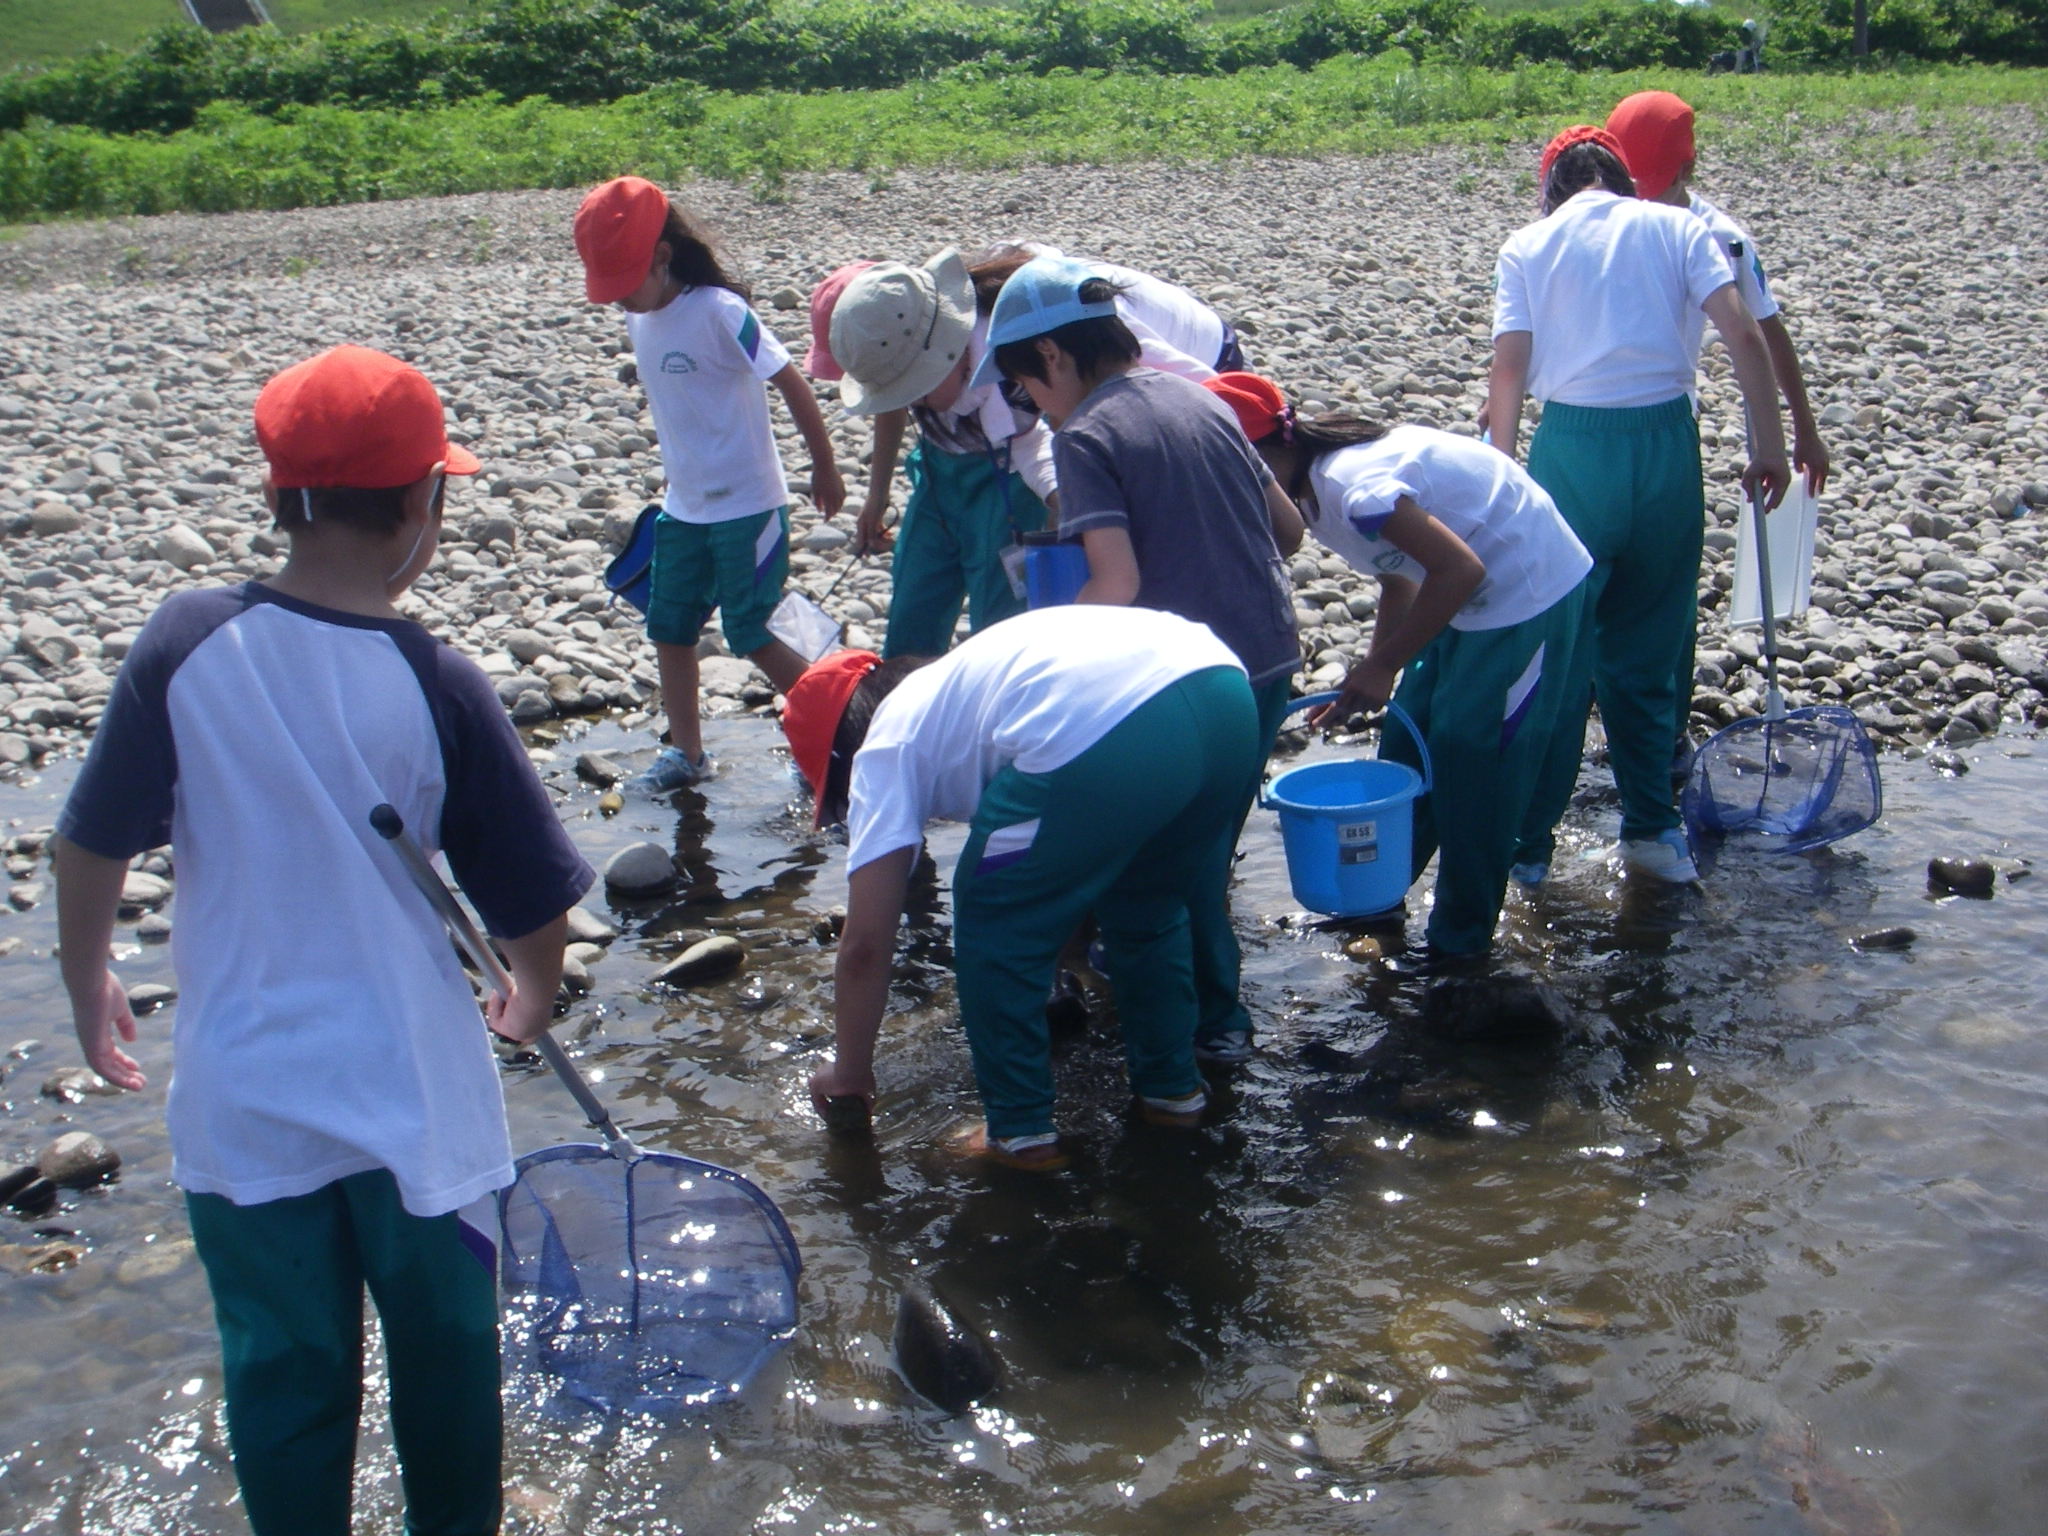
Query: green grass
x: 33, y: 30
x: 313, y: 15
x: 325, y: 155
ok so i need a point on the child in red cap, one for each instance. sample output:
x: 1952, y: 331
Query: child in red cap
x: 335, y: 1100
x: 1479, y: 618
x: 1593, y: 314
x: 1099, y: 756
x: 722, y: 540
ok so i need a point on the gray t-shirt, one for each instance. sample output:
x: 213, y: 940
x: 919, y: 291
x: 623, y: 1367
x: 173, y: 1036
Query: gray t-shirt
x: 1163, y: 459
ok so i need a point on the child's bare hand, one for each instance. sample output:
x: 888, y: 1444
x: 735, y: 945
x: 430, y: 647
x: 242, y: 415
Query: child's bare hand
x: 870, y: 536
x: 828, y: 489
x: 1367, y: 687
x: 1810, y: 457
x: 832, y: 1081
x: 109, y: 1016
x: 518, y: 1018
x: 1767, y: 480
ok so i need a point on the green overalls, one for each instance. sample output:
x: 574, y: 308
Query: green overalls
x: 964, y: 510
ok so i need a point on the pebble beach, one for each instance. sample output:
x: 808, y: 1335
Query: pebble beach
x: 134, y: 351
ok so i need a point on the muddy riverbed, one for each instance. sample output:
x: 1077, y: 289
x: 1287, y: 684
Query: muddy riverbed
x: 1757, y: 1244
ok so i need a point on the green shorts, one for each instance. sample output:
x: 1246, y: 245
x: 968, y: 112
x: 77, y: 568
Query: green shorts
x: 736, y: 567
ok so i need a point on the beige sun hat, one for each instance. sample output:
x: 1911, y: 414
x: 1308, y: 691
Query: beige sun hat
x: 898, y: 331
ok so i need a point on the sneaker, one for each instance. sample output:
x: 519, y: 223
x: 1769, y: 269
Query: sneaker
x: 671, y: 769
x: 1182, y: 1114
x: 1226, y: 1049
x: 1039, y: 1153
x: 1667, y: 856
x: 1530, y: 875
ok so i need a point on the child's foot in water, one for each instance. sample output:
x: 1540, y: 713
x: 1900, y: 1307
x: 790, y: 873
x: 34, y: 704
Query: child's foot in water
x: 1039, y: 1153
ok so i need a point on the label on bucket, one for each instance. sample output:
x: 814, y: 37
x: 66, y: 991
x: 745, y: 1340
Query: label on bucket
x: 1358, y: 842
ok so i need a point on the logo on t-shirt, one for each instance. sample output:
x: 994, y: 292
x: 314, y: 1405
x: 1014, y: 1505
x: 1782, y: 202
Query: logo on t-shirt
x: 1390, y: 560
x: 678, y: 362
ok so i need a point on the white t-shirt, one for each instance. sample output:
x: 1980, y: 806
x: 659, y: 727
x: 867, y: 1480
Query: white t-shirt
x: 981, y: 419
x: 1750, y: 282
x: 1036, y: 691
x: 324, y: 1027
x: 1177, y: 332
x: 1607, y: 287
x: 1532, y: 557
x: 703, y: 357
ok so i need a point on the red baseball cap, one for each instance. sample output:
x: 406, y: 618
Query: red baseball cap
x: 618, y: 226
x: 1578, y: 133
x: 1654, y: 130
x: 356, y: 418
x: 812, y: 709
x: 1261, y: 407
x: 819, y: 362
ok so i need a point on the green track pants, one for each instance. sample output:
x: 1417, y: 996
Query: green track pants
x: 1628, y: 482
x: 1139, y: 830
x: 1488, y: 702
x: 287, y: 1279
x: 964, y: 510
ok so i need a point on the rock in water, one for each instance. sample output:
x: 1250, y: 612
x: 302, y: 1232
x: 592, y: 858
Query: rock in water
x: 1883, y: 938
x: 944, y: 1360
x: 847, y: 1115
x: 1499, y: 1008
x: 79, y: 1159
x: 704, y: 961
x: 640, y: 867
x: 1964, y: 877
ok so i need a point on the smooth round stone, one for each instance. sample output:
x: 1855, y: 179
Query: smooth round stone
x: 1962, y: 876
x: 640, y: 867
x: 77, y: 1160
x: 707, y: 960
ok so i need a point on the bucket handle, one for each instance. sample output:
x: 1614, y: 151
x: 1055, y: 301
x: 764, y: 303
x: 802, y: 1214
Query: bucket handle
x: 1313, y: 700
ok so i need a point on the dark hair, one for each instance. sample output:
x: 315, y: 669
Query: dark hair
x: 378, y: 511
x: 995, y: 267
x: 853, y: 731
x: 1581, y: 166
x: 693, y: 259
x: 1336, y: 429
x: 1094, y: 344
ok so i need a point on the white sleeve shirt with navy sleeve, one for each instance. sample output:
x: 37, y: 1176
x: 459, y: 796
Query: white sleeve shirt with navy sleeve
x: 704, y: 359
x: 1608, y: 287
x: 1531, y: 555
x: 1033, y: 692
x: 324, y: 1027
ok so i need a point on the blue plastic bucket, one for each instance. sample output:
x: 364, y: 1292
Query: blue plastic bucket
x: 1349, y: 826
x: 631, y: 573
x: 1053, y: 573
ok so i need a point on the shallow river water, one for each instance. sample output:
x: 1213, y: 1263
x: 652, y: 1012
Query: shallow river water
x: 1762, y: 1245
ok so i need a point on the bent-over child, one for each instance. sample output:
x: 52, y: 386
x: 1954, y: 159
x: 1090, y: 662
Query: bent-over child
x: 1099, y: 757
x: 722, y: 540
x: 335, y: 1100
x: 1477, y: 634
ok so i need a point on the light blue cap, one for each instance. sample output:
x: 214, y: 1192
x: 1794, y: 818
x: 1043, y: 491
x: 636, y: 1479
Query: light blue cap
x: 1042, y: 295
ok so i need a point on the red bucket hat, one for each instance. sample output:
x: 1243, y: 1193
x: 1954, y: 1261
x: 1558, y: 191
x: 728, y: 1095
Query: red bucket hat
x: 618, y: 226
x: 1261, y: 408
x: 812, y: 709
x: 1578, y: 133
x: 1654, y: 130
x: 355, y: 418
x: 819, y: 362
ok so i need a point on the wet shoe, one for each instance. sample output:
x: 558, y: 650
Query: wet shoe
x: 1531, y: 875
x: 1182, y: 1114
x: 1666, y: 856
x: 1040, y: 1153
x: 672, y: 769
x: 1225, y: 1049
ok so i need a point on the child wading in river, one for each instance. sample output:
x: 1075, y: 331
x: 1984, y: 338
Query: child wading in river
x: 1099, y: 756
x: 1592, y: 315
x: 335, y: 1100
x: 905, y: 340
x: 1173, y: 509
x: 1478, y: 628
x: 722, y: 541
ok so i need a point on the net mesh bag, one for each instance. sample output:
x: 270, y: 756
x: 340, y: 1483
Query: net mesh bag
x: 1806, y: 778
x: 643, y: 1284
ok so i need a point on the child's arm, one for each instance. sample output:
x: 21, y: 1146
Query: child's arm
x: 875, y: 896
x: 869, y: 536
x: 1288, y: 527
x: 827, y: 489
x: 1507, y: 385
x: 1808, y: 452
x: 1408, y: 620
x: 88, y: 895
x: 1112, y: 568
x: 535, y: 961
x: 1767, y: 474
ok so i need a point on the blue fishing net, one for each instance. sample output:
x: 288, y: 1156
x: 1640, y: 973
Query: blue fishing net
x: 1804, y: 779
x: 643, y: 1284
